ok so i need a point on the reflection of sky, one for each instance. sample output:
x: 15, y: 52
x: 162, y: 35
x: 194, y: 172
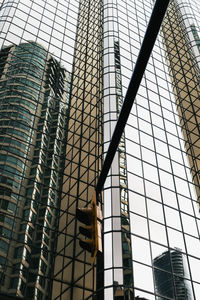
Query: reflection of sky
x: 50, y: 23
x: 158, y: 171
x: 159, y: 176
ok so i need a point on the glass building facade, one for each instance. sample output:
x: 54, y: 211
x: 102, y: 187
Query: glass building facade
x: 172, y: 263
x: 34, y: 99
x: 64, y: 70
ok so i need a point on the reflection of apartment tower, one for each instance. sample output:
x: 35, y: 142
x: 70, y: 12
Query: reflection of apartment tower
x: 34, y: 103
x: 185, y: 75
x: 83, y: 156
x: 148, y: 198
x: 123, y: 188
x: 170, y: 276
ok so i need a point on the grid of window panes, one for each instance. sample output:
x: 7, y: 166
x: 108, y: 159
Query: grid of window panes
x: 37, y: 41
x: 75, y: 277
x: 162, y: 201
x: 49, y: 23
x: 155, y: 221
x: 34, y: 102
x: 184, y: 65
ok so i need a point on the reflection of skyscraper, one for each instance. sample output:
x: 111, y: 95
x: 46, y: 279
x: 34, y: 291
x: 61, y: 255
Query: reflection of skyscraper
x: 33, y: 109
x: 170, y: 276
x: 149, y: 200
x: 185, y: 75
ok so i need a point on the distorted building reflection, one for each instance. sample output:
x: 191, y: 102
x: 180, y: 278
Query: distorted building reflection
x: 171, y: 276
x: 183, y: 60
x: 34, y: 103
x: 150, y: 196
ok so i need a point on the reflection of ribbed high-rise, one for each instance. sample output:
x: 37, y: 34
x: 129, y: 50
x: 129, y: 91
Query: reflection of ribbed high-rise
x: 184, y: 67
x: 170, y: 276
x: 149, y: 200
x: 33, y: 110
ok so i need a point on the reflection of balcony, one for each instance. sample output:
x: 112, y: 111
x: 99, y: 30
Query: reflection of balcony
x: 128, y: 272
x: 124, y: 212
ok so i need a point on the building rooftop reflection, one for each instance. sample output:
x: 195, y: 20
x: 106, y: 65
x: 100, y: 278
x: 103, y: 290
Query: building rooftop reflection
x: 170, y: 276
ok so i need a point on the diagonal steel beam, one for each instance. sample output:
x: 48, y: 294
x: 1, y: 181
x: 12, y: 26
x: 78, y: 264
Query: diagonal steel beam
x: 153, y: 27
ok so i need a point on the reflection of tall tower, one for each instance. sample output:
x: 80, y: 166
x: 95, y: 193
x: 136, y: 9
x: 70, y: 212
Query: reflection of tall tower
x: 185, y: 76
x: 170, y: 276
x: 148, y: 198
x: 83, y: 155
x: 33, y: 110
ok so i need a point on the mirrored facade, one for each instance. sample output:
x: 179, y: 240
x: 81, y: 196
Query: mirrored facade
x: 160, y: 177
x: 34, y: 108
x: 64, y: 70
x: 166, y: 266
